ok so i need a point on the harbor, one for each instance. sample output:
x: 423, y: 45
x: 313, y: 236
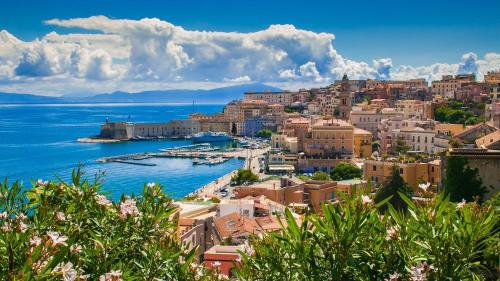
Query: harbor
x: 203, y: 154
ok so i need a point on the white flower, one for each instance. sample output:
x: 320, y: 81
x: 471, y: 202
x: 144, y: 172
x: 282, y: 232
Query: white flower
x: 41, y: 182
x: 366, y: 199
x: 35, y: 241
x: 128, y: 207
x: 57, y: 239
x: 424, y: 186
x: 3, y: 215
x: 60, y: 216
x: 216, y: 264
x: 151, y: 185
x: 461, y: 204
x: 101, y: 200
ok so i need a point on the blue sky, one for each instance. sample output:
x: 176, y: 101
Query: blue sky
x: 410, y: 32
x: 395, y: 33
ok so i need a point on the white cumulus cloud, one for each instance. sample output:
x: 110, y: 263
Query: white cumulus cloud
x: 129, y: 54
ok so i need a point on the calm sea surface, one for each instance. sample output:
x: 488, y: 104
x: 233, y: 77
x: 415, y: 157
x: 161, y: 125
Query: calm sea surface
x: 39, y: 141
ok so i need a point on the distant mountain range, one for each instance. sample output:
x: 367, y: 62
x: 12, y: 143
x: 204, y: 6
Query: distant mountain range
x: 218, y: 95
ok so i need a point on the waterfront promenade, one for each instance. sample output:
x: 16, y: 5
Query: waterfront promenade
x: 251, y: 162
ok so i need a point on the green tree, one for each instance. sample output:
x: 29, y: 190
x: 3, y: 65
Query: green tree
x: 345, y: 171
x: 401, y: 146
x: 393, y: 186
x: 320, y: 176
x: 265, y: 133
x: 462, y: 182
x: 244, y: 177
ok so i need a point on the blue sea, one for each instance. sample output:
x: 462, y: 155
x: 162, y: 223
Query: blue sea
x: 40, y: 142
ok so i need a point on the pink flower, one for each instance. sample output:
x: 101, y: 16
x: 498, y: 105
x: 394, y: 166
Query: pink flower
x: 392, y: 233
x: 57, y: 239
x: 393, y: 277
x: 60, y: 216
x: 75, y: 248
x: 128, y: 207
x: 21, y: 227
x: 35, y: 241
x: 366, y: 199
x: 101, y: 200
x: 3, y: 216
x: 111, y: 276
x: 6, y: 227
x: 461, y: 204
x: 67, y: 271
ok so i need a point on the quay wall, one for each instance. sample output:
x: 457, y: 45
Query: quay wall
x: 251, y: 161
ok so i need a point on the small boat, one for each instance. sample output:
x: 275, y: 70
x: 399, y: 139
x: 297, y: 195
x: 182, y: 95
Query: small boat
x: 198, y: 161
x: 211, y: 137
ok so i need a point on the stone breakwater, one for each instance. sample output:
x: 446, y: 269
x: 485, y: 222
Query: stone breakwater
x: 251, y: 162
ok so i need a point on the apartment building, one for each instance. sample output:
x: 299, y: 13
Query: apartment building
x: 287, y: 191
x: 379, y: 171
x: 492, y: 77
x: 362, y: 143
x: 368, y: 118
x: 330, y: 138
x: 449, y: 84
x: 284, y: 98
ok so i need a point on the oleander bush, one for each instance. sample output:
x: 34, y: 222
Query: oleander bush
x: 69, y: 231
x: 60, y: 230
x: 354, y: 241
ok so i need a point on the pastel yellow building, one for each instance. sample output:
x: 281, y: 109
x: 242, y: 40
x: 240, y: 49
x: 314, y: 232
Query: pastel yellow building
x: 378, y: 171
x: 362, y: 143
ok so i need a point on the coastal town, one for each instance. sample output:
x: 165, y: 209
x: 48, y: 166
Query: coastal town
x: 295, y: 142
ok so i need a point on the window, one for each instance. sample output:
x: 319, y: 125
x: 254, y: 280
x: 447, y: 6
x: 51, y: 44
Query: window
x: 374, y: 168
x: 401, y: 171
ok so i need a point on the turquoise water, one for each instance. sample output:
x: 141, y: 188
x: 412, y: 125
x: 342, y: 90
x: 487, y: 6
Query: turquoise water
x: 39, y: 141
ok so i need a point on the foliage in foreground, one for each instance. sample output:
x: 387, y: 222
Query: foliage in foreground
x: 441, y: 241
x: 68, y: 231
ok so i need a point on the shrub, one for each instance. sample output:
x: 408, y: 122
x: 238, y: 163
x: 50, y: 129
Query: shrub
x: 70, y: 231
x: 439, y: 241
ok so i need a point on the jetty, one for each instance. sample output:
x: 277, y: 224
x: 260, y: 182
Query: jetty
x: 134, y: 163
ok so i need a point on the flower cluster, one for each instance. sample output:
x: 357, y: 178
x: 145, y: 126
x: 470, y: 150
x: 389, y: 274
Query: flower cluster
x: 129, y: 208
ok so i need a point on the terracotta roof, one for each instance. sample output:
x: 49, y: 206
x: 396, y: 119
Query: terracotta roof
x: 269, y: 223
x: 489, y: 141
x: 235, y: 224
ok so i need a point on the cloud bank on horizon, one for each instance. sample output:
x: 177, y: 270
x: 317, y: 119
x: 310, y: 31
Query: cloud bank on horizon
x: 135, y: 55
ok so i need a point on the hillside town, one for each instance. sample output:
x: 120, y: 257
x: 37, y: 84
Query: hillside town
x: 370, y: 125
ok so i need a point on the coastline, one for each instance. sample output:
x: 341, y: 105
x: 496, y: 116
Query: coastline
x: 251, y: 161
